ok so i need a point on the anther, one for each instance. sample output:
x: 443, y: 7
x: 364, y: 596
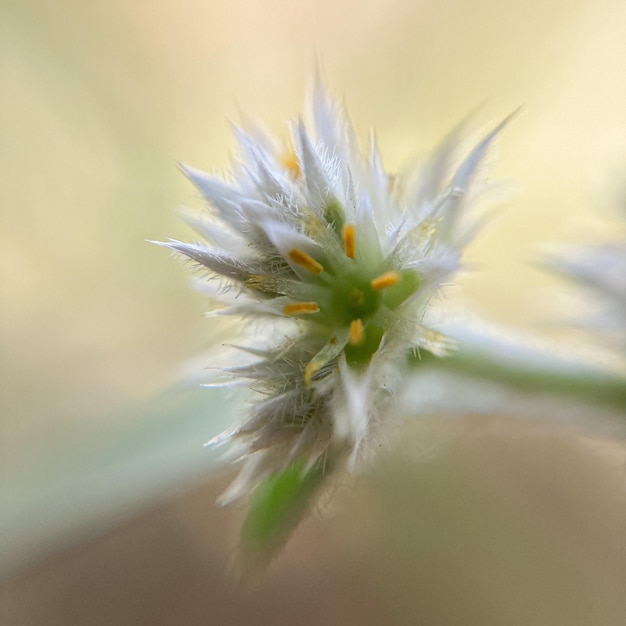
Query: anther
x: 297, y: 308
x: 357, y: 333
x: 301, y: 258
x: 388, y: 279
x: 291, y: 162
x: 349, y: 241
x: 310, y: 370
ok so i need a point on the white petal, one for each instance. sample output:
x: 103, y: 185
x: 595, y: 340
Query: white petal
x: 436, y: 267
x: 426, y: 182
x: 255, y: 469
x: 333, y: 127
x: 219, y: 194
x: 465, y: 173
x: 380, y: 189
x: 352, y: 411
x: 273, y: 307
x: 285, y: 238
x: 317, y: 183
x: 216, y: 233
x: 260, y: 165
x: 326, y: 117
x: 454, y: 201
x: 215, y: 260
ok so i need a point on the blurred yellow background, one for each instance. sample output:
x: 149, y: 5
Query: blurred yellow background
x: 99, y: 101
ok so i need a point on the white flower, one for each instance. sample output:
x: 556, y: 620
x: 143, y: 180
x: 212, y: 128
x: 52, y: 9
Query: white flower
x: 601, y: 269
x: 338, y: 261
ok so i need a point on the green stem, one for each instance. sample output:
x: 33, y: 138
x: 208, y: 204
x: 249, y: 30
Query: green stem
x: 534, y: 371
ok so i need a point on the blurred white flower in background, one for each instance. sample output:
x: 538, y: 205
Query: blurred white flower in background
x: 601, y: 270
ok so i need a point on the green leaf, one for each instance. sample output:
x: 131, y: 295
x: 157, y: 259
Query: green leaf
x: 277, y: 507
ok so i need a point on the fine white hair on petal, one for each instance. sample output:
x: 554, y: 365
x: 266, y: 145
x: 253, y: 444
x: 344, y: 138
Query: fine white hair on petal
x: 223, y: 293
x: 335, y: 133
x: 315, y: 176
x: 435, y: 269
x: 220, y: 195
x: 219, y: 234
x: 215, y: 260
x: 329, y: 125
x: 253, y: 471
x: 260, y: 166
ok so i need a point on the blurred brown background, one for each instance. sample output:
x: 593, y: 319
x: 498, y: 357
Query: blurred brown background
x: 107, y: 515
x: 507, y: 524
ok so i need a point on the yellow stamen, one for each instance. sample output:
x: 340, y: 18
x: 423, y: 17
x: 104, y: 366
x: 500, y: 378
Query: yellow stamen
x: 388, y: 279
x: 357, y: 333
x: 310, y: 370
x: 297, y: 308
x: 301, y: 258
x: 349, y: 241
x: 292, y: 164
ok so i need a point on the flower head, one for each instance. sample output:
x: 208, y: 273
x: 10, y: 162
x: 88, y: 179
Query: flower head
x: 338, y: 259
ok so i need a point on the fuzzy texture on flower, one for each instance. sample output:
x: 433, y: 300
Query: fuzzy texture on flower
x: 332, y: 262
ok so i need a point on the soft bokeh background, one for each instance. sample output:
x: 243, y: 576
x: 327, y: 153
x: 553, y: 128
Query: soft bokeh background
x: 107, y: 510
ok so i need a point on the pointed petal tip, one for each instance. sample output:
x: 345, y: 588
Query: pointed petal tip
x: 163, y: 244
x: 211, y: 443
x: 172, y: 244
x: 198, y: 177
x: 302, y: 129
x: 184, y: 168
x: 224, y: 385
x: 219, y: 439
x: 505, y: 122
x: 318, y: 89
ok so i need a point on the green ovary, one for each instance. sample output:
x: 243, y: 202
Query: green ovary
x: 352, y: 298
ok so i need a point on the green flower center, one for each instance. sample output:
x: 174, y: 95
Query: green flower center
x: 352, y: 297
x: 346, y: 300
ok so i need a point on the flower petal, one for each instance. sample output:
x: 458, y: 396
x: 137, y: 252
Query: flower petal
x: 214, y: 260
